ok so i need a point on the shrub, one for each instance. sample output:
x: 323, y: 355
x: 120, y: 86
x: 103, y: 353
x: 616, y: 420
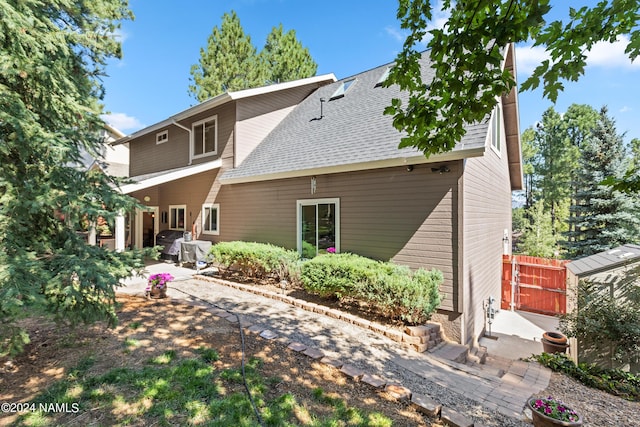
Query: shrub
x: 336, y: 275
x: 613, y: 381
x: 253, y: 260
x: 395, y: 291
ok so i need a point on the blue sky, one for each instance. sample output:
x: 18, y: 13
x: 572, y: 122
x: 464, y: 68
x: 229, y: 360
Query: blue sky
x: 344, y: 37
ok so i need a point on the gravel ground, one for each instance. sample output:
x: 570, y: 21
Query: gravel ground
x: 596, y: 407
x: 374, y: 353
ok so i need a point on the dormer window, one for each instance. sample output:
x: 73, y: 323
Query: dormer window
x: 342, y: 89
x: 162, y: 136
x: 383, y: 77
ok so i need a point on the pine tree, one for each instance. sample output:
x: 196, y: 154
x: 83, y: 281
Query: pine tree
x: 554, y: 162
x: 230, y: 62
x: 52, y: 55
x: 538, y: 238
x: 285, y: 58
x: 601, y: 218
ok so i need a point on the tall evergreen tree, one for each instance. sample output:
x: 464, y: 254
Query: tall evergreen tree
x: 538, y: 238
x: 601, y: 218
x: 285, y: 58
x: 230, y: 62
x: 52, y: 55
x: 554, y: 162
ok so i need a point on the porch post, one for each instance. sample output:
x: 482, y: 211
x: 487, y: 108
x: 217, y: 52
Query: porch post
x: 120, y: 232
x: 91, y: 237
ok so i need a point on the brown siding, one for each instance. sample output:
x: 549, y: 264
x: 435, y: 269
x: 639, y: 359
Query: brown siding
x: 409, y: 217
x: 259, y: 115
x: 487, y: 213
x: 191, y: 191
x: 149, y: 157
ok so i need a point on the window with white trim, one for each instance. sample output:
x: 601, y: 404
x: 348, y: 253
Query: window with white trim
x: 496, y: 130
x: 162, y: 136
x: 177, y: 217
x: 211, y: 218
x: 318, y: 226
x: 204, y: 137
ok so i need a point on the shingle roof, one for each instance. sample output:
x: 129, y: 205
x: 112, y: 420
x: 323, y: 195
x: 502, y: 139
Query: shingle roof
x: 603, y: 261
x: 352, y: 130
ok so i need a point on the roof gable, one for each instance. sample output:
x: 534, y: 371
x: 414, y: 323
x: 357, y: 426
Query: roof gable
x: 345, y: 132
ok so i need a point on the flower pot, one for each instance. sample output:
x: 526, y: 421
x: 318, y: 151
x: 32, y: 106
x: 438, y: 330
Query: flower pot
x: 542, y: 420
x: 158, y: 293
x: 553, y: 348
x: 555, y: 337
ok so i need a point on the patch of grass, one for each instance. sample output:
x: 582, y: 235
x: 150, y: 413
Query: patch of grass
x: 208, y: 355
x: 135, y: 325
x: 164, y: 359
x: 173, y: 391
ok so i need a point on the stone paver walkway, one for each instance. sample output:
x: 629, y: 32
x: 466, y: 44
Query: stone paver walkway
x: 490, y: 394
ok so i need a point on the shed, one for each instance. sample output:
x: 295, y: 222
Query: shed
x: 606, y: 268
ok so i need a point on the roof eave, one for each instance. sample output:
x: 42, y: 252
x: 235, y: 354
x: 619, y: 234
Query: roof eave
x: 169, y: 176
x: 223, y: 99
x: 356, y: 167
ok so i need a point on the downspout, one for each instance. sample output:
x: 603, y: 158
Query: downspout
x: 190, y: 142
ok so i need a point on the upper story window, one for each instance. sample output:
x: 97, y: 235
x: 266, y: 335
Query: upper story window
x: 342, y: 89
x: 205, y: 137
x: 162, y: 136
x: 496, y: 129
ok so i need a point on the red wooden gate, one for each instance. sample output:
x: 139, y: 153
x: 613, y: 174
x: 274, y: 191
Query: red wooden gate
x: 539, y: 283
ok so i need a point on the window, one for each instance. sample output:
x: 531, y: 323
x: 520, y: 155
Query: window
x: 211, y: 218
x: 318, y: 226
x: 177, y: 217
x: 205, y: 137
x: 496, y: 129
x: 342, y: 89
x: 383, y: 77
x: 162, y: 136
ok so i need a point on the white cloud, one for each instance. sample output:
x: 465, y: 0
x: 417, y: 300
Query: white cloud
x: 611, y: 55
x: 626, y: 109
x: 122, y: 122
x: 602, y: 55
x: 528, y: 57
x: 395, y: 33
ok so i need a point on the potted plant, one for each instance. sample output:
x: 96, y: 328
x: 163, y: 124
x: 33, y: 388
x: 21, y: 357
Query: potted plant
x: 548, y: 412
x: 157, y: 285
x: 554, y: 342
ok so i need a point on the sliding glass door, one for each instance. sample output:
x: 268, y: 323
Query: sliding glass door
x: 318, y: 226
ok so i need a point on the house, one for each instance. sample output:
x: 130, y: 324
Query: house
x: 112, y: 159
x: 314, y: 164
x: 615, y: 271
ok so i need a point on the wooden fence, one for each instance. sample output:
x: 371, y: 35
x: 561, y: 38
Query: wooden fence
x: 538, y: 285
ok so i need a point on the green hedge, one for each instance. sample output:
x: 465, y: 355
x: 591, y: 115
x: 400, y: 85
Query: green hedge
x: 394, y: 290
x: 256, y: 260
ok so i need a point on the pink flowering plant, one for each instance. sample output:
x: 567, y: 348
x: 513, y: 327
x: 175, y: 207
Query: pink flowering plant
x: 158, y: 281
x: 331, y: 250
x: 554, y: 408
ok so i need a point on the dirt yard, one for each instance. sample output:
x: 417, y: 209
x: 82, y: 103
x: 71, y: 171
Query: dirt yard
x: 148, y: 329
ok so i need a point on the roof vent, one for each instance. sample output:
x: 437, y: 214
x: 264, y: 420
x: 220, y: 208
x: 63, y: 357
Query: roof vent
x: 626, y: 255
x: 614, y: 251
